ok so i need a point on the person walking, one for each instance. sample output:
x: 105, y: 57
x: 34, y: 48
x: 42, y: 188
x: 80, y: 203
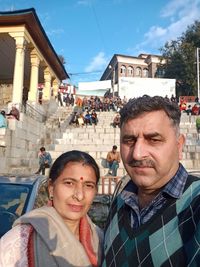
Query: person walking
x: 154, y: 218
x: 45, y: 160
x: 113, y: 160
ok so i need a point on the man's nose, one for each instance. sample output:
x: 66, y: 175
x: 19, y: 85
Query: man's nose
x: 139, y: 150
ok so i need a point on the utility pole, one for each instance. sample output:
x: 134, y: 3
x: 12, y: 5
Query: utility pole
x: 112, y: 68
x: 198, y: 72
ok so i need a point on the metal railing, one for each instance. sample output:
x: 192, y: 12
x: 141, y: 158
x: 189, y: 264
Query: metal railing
x: 33, y: 112
x: 107, y: 185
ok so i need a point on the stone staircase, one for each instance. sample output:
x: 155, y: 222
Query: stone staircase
x: 191, y: 150
x: 96, y: 140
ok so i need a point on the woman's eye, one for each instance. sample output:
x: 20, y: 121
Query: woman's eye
x: 69, y: 183
x: 90, y: 186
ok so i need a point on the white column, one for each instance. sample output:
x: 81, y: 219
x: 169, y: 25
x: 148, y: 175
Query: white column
x: 35, y: 61
x: 18, y: 79
x: 55, y: 87
x: 47, y: 85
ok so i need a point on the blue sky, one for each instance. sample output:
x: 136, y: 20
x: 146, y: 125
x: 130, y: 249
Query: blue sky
x: 89, y: 32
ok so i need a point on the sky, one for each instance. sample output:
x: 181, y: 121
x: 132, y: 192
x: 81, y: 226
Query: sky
x: 87, y: 33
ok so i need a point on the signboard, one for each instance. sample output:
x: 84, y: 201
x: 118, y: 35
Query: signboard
x: 135, y: 87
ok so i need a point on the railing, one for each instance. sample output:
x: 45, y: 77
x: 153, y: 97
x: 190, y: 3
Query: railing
x: 107, y: 185
x: 33, y: 113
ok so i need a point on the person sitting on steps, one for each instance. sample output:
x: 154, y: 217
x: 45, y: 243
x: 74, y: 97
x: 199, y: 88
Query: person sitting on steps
x: 113, y: 159
x: 45, y: 161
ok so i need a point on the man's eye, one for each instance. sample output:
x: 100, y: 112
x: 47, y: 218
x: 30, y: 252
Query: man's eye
x: 155, y: 140
x: 129, y: 141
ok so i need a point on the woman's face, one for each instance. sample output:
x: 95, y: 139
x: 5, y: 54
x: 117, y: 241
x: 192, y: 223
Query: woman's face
x: 73, y: 191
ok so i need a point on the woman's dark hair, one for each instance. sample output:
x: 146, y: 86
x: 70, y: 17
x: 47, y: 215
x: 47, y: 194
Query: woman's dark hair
x: 72, y: 156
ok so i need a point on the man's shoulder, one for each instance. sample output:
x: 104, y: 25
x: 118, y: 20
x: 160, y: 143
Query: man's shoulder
x: 121, y: 185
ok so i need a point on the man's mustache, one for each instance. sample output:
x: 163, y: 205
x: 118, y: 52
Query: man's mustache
x: 142, y: 163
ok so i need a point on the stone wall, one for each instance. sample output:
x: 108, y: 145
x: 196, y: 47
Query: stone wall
x: 19, y: 145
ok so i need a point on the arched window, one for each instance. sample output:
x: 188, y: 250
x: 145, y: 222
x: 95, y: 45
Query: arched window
x: 138, y: 72
x: 145, y: 73
x: 123, y: 70
x: 130, y: 71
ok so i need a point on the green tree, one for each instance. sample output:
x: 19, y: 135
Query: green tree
x: 180, y: 56
x: 62, y: 59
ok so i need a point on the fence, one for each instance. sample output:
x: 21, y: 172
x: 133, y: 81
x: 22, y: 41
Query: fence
x: 107, y: 185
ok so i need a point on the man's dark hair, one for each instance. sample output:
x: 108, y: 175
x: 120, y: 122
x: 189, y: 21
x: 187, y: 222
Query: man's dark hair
x: 115, y: 147
x: 42, y: 148
x: 3, y: 113
x: 137, y: 106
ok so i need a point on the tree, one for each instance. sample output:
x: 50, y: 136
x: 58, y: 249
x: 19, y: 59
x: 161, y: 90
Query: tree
x: 180, y: 57
x: 62, y: 59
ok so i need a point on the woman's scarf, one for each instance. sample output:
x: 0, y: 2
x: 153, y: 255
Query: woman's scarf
x: 56, y: 245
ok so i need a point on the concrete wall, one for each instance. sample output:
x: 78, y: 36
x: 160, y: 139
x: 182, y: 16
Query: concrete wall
x: 19, y: 145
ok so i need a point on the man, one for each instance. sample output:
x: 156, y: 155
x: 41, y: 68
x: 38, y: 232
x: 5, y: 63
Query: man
x: 45, y: 160
x: 116, y: 120
x: 14, y: 113
x: 154, y: 218
x: 113, y: 160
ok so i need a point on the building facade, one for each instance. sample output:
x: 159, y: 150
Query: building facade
x: 27, y: 59
x: 143, y: 66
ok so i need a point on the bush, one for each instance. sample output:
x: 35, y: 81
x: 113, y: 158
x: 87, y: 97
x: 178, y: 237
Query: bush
x: 198, y: 124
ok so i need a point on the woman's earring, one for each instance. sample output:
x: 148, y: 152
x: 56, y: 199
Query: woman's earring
x: 50, y: 201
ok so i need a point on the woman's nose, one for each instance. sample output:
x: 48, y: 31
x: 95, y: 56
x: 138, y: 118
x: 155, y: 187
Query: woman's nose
x: 78, y: 192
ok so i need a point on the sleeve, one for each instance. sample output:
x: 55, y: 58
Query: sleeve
x: 13, y: 247
x: 119, y: 158
x: 49, y: 158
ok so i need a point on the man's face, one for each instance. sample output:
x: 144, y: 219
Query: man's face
x: 150, y: 149
x: 114, y: 150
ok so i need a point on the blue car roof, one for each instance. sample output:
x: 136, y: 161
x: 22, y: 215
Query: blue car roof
x: 21, y: 179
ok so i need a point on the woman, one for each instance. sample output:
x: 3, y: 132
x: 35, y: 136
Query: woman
x: 61, y: 234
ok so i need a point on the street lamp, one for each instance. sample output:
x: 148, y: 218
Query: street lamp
x: 113, y: 79
x: 197, y: 71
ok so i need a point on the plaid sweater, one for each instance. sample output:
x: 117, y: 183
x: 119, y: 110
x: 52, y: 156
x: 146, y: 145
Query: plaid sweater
x: 170, y: 238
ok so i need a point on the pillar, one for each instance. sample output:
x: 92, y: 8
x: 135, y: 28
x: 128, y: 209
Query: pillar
x: 55, y: 87
x: 18, y: 79
x: 35, y: 61
x: 47, y: 85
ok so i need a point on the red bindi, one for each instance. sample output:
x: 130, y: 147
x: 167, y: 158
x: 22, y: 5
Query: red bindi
x: 81, y: 178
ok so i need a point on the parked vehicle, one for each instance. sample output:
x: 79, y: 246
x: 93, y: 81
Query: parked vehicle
x: 20, y: 194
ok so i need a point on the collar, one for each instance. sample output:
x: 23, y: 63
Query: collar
x: 173, y: 188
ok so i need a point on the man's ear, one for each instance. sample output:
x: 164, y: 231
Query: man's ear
x: 181, y: 142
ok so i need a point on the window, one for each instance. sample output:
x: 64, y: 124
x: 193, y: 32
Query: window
x: 130, y: 71
x: 145, y: 73
x: 138, y: 72
x: 123, y: 70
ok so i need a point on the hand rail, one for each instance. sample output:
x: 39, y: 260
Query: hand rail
x: 33, y: 112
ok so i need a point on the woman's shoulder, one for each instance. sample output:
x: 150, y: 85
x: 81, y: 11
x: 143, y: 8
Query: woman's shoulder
x: 13, y: 246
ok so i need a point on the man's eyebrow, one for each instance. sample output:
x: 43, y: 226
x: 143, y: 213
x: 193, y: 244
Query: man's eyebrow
x: 147, y: 135
x: 128, y: 136
x: 150, y: 135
